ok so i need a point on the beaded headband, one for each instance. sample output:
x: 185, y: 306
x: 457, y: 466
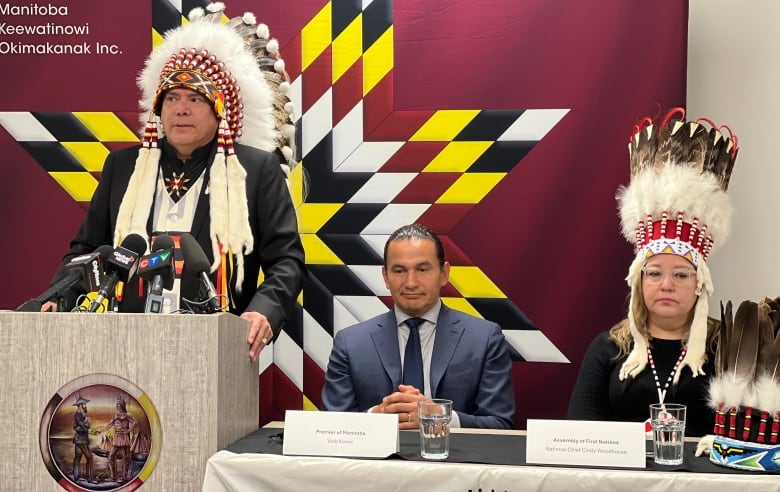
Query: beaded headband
x: 199, y: 72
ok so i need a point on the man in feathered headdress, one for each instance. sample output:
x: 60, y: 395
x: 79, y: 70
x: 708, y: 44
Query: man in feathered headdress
x: 218, y: 128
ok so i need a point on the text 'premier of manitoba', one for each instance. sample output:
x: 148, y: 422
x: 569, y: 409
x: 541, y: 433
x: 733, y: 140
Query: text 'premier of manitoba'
x: 584, y: 446
x: 46, y: 29
x: 340, y: 436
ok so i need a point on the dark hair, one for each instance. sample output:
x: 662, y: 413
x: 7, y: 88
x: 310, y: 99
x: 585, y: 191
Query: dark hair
x: 416, y: 231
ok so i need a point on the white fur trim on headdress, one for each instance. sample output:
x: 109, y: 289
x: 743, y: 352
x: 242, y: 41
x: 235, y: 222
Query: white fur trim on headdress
x: 196, y: 13
x: 240, y: 240
x: 672, y: 189
x: 215, y: 7
x: 696, y: 353
x: 218, y: 202
x: 138, y: 198
x: 262, y: 31
x: 637, y: 358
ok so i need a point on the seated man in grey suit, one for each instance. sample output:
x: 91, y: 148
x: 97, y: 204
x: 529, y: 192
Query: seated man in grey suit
x: 421, y: 349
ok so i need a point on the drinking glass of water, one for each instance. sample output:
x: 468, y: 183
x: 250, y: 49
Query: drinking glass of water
x: 668, y: 421
x: 435, y: 418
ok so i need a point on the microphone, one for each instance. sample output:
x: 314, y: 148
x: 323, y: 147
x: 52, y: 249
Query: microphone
x: 84, y: 272
x: 195, y: 260
x: 120, y: 267
x: 157, y: 269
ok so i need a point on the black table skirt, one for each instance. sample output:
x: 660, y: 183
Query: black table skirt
x: 493, y: 449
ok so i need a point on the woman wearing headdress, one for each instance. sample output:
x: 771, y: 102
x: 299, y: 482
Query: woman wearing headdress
x: 673, y: 211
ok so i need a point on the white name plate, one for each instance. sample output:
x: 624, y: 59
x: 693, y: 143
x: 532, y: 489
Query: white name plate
x: 588, y: 443
x: 354, y: 434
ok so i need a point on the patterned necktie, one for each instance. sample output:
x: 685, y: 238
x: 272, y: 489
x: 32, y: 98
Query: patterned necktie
x: 413, y: 364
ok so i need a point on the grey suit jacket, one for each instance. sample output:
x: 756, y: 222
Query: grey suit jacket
x: 470, y: 365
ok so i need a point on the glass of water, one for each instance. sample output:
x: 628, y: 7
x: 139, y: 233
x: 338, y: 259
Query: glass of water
x: 668, y: 421
x: 435, y: 418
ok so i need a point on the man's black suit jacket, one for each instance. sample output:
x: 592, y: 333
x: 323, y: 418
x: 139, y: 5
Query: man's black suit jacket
x: 277, y: 245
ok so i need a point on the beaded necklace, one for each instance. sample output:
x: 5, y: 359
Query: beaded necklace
x: 178, y: 174
x: 662, y: 392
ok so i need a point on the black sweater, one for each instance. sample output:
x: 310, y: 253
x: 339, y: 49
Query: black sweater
x: 600, y: 395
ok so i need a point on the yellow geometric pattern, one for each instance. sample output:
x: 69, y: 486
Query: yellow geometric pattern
x: 315, y: 36
x: 457, y: 157
x: 471, y: 188
x: 444, y: 125
x: 471, y: 281
x: 317, y: 252
x: 106, y: 127
x: 346, y: 48
x: 91, y: 155
x: 79, y: 185
x: 378, y: 61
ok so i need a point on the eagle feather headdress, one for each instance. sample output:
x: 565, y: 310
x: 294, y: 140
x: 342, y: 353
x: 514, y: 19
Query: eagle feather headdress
x: 238, y: 69
x: 676, y: 203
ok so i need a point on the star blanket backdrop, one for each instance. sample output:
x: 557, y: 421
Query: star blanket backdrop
x: 501, y: 124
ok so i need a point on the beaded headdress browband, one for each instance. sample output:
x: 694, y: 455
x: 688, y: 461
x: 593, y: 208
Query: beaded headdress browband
x: 676, y: 203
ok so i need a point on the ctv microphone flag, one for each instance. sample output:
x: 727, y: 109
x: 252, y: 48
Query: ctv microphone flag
x: 158, y: 270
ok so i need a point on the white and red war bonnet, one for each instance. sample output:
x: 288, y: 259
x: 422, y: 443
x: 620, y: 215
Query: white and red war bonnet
x: 228, y: 62
x: 676, y: 203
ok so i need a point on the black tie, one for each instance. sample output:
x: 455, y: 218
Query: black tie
x: 413, y: 364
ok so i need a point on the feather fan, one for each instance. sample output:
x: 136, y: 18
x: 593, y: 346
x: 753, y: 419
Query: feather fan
x: 736, y: 356
x: 769, y: 362
x: 743, y: 346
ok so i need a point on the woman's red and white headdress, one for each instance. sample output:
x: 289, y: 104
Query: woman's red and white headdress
x: 676, y: 203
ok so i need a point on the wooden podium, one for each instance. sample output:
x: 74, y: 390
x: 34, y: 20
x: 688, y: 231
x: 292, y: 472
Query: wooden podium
x: 193, y: 370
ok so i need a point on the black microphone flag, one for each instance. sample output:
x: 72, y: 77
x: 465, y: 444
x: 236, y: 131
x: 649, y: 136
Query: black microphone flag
x: 85, y: 273
x: 120, y: 267
x: 195, y: 260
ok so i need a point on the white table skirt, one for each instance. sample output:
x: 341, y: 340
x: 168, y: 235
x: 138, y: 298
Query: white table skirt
x: 226, y: 471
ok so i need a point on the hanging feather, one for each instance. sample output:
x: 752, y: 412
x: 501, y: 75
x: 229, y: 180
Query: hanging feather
x: 695, y: 146
x: 735, y: 359
x: 769, y: 378
x: 717, y: 393
x: 768, y: 383
x: 669, y: 147
x: 641, y: 149
x: 726, y: 329
x: 747, y: 361
x: 743, y: 346
x: 774, y: 314
x: 766, y: 335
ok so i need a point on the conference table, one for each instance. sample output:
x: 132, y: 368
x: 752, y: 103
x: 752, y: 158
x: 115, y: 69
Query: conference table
x: 479, y: 461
